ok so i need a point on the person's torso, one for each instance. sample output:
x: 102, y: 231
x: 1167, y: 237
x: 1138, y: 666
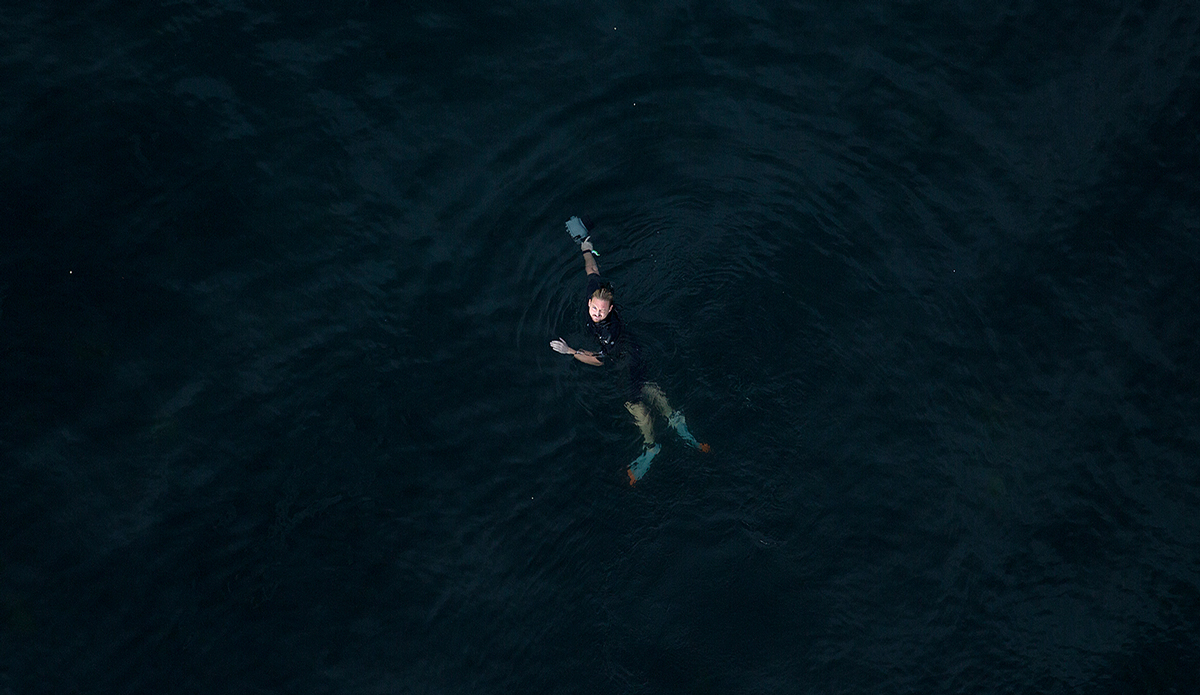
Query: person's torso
x: 609, y: 334
x: 615, y: 342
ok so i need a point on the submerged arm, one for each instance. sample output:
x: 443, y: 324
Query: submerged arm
x: 585, y: 356
x: 588, y: 358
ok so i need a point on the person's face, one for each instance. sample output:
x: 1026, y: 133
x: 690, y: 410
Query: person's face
x: 598, y: 309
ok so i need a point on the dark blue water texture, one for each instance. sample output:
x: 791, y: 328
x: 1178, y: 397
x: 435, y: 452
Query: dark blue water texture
x: 278, y: 412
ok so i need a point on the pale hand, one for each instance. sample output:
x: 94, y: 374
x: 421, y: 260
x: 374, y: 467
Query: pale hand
x: 560, y: 347
x: 585, y: 246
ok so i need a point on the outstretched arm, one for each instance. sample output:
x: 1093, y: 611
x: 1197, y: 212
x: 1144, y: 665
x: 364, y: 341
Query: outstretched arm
x: 589, y: 258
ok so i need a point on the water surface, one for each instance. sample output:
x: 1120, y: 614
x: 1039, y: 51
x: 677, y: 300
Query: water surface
x: 280, y: 416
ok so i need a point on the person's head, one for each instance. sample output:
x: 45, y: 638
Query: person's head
x: 600, y: 304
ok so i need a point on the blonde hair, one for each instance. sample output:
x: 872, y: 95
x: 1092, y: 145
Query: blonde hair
x: 604, y: 294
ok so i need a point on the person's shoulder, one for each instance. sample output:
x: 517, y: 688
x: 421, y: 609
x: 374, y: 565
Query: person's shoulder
x: 595, y: 281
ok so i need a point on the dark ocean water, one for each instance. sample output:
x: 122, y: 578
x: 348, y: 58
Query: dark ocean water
x: 278, y: 412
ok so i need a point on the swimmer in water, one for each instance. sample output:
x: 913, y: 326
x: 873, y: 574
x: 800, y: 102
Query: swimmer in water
x: 617, y: 347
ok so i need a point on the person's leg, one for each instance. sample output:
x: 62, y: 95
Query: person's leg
x: 642, y: 419
x: 675, y: 418
x: 657, y: 398
x: 642, y: 463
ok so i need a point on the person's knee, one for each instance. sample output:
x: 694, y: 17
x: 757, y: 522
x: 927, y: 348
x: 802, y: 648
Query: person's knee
x: 654, y: 393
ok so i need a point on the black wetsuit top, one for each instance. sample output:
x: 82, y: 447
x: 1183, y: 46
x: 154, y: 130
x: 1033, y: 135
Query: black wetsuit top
x: 617, y: 346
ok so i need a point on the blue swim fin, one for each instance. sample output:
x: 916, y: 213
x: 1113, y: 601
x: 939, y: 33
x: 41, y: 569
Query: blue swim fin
x: 642, y: 463
x: 679, y: 424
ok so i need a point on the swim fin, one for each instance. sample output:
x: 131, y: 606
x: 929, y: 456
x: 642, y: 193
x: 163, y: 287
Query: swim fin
x: 679, y: 424
x: 641, y: 464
